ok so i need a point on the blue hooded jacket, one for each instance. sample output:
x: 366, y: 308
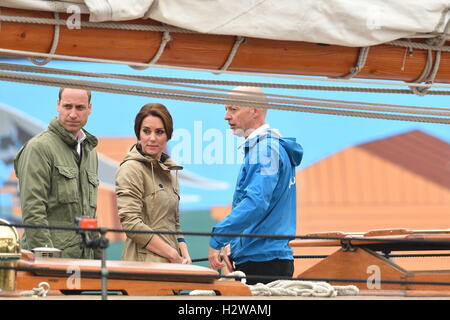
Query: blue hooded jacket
x: 264, y: 201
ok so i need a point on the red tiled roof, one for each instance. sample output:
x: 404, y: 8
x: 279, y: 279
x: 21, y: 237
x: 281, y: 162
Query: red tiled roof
x: 416, y: 151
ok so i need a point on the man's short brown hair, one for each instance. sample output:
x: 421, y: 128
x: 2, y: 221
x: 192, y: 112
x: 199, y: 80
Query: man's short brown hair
x: 63, y: 88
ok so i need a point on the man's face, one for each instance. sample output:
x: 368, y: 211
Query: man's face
x: 240, y: 119
x: 73, y: 110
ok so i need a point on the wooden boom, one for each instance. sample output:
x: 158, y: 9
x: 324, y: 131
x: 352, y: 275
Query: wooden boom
x: 211, y: 51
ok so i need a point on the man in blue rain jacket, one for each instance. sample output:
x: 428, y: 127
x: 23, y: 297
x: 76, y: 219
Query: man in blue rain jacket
x: 264, y: 200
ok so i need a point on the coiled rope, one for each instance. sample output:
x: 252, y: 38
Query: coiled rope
x: 298, y: 288
x: 41, y: 291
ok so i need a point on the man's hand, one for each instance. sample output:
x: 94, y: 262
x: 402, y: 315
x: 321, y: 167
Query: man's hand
x: 225, y: 254
x: 214, y: 259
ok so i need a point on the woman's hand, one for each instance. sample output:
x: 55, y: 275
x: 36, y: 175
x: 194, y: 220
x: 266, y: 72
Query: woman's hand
x: 185, y: 253
x: 174, y: 257
x: 160, y: 247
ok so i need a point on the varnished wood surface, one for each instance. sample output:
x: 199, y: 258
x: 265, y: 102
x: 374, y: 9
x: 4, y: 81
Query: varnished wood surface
x: 27, y: 281
x: 122, y: 269
x: 129, y: 277
x: 363, y: 268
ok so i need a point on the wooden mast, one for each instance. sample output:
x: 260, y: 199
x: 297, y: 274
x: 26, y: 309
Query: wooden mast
x: 211, y: 51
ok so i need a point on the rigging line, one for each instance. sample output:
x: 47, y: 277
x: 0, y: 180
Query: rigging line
x: 348, y: 104
x: 361, y: 62
x: 55, y: 41
x: 107, y: 88
x: 238, y: 41
x: 431, y: 68
x: 277, y: 85
x: 284, y: 85
x: 98, y: 25
x: 165, y: 39
x: 253, y: 74
x: 426, y: 35
x: 418, y: 255
x: 418, y: 45
x: 162, y: 93
x: 167, y: 81
x: 344, y: 104
x: 246, y: 235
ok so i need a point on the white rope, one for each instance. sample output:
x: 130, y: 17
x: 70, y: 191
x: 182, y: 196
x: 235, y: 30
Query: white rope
x: 430, y: 71
x: 41, y: 291
x: 234, y: 49
x: 202, y: 293
x: 289, y: 288
x: 418, y: 45
x: 362, y: 59
x: 286, y: 99
x: 302, y: 289
x: 222, y: 98
x: 53, y: 47
x: 99, y: 25
x: 173, y: 80
x: 165, y: 39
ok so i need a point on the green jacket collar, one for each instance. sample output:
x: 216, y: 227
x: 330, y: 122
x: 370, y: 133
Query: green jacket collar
x: 56, y: 127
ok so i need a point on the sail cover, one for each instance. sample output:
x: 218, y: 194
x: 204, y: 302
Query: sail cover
x: 339, y: 22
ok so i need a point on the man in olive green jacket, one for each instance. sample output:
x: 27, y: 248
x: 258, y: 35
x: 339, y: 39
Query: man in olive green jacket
x: 57, y: 172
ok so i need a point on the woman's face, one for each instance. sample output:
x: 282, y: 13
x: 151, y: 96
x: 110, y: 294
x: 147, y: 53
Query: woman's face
x: 153, y: 136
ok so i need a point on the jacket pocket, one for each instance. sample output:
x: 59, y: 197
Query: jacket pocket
x: 67, y: 184
x: 93, y: 188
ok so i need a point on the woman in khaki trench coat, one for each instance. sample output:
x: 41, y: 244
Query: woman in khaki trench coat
x: 148, y: 193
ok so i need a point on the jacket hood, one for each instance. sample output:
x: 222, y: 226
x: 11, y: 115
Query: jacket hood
x: 166, y: 161
x: 293, y: 149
